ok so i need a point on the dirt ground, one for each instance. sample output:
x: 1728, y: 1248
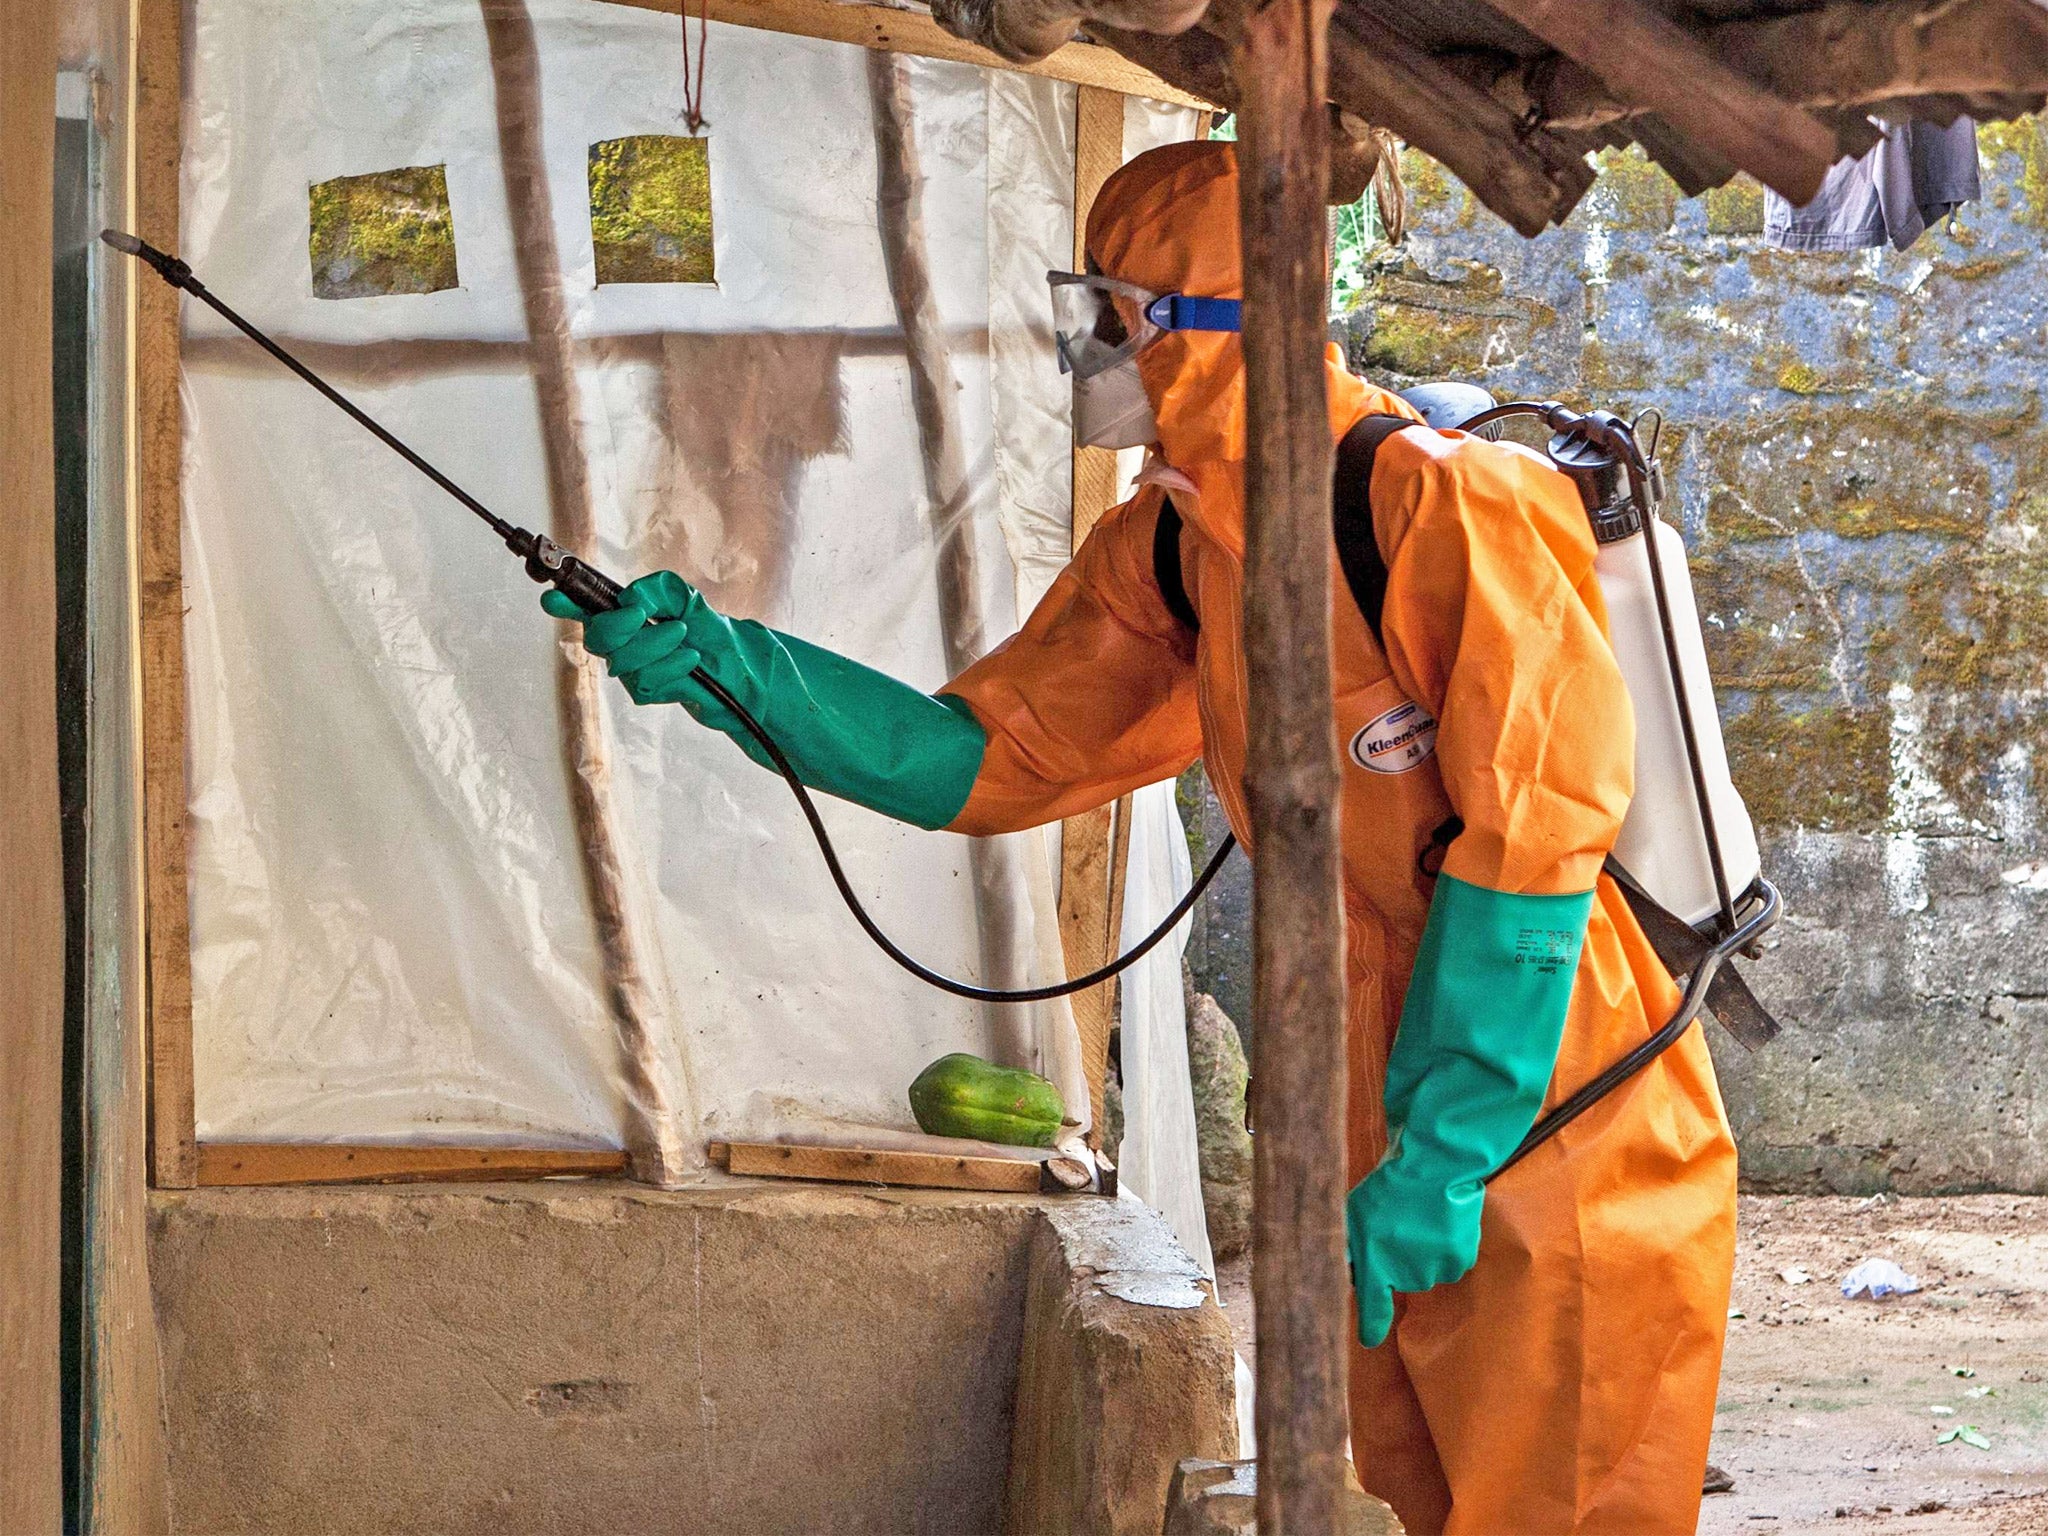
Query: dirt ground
x: 1831, y: 1411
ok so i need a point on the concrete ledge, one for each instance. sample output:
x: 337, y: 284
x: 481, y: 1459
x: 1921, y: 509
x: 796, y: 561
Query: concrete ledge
x: 743, y: 1357
x: 1128, y: 1367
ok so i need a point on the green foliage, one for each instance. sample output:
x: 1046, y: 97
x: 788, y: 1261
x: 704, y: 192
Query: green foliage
x: 650, y: 209
x: 1358, y: 232
x: 384, y: 232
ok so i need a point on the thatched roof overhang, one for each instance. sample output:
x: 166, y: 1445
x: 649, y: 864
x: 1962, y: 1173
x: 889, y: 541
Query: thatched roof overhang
x: 1512, y: 95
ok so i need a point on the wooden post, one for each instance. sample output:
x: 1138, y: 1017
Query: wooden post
x: 1298, y: 1276
x: 31, y: 891
x: 963, y: 624
x: 654, y: 1111
x: 159, y: 464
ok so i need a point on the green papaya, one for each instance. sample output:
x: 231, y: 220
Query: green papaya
x: 962, y: 1095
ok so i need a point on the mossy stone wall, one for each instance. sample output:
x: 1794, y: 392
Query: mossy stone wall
x: 1858, y: 451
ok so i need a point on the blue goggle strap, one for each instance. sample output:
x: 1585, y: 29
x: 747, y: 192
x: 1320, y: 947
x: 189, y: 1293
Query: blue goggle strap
x: 1184, y: 312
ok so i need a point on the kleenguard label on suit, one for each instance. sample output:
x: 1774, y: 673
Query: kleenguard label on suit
x: 1402, y: 738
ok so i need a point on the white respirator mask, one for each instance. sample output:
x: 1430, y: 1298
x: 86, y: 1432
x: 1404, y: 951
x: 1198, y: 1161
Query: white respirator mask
x: 1112, y: 410
x: 1096, y: 346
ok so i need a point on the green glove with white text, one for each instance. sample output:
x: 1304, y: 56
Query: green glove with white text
x: 847, y: 729
x: 1466, y: 1078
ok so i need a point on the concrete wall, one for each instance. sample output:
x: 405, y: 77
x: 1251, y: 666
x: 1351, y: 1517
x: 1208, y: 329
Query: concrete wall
x: 1861, y: 461
x: 570, y: 1358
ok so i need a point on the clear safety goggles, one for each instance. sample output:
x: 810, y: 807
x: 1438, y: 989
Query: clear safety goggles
x: 1092, y: 335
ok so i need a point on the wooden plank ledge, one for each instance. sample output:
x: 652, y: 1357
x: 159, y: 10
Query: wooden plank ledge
x: 915, y: 32
x: 251, y: 1163
x: 920, y: 1170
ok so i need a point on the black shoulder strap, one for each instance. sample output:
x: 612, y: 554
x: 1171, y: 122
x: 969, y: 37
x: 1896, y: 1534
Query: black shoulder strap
x: 1166, y: 570
x: 1358, y: 547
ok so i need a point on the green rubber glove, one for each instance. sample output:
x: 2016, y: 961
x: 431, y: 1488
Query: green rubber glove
x: 1465, y: 1081
x: 847, y: 730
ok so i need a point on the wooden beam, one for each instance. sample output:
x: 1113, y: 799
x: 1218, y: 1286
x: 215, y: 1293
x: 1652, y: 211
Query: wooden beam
x: 1531, y: 178
x: 1086, y: 938
x: 1847, y: 54
x: 920, y: 1170
x: 1291, y: 781
x: 238, y: 1163
x: 1692, y: 165
x: 1098, y: 151
x: 1195, y: 61
x: 1084, y: 921
x: 1527, y: 176
x: 874, y: 26
x: 1651, y: 60
x: 1000, y: 927
x: 1032, y: 29
x: 1119, y: 878
x: 32, y: 888
x: 159, y: 467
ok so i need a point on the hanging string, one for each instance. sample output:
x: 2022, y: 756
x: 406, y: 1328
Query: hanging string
x: 693, y: 89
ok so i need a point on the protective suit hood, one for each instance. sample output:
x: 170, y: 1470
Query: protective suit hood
x: 1168, y: 221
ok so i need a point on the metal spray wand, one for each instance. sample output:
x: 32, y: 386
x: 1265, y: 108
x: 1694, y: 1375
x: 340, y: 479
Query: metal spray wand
x: 546, y: 561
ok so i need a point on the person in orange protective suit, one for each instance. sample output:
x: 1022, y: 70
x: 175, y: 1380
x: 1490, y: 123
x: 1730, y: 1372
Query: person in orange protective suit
x: 1563, y: 1379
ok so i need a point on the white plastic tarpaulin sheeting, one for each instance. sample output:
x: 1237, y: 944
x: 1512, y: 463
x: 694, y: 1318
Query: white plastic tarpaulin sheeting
x: 391, y: 936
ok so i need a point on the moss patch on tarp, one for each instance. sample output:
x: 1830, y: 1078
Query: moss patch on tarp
x: 382, y: 233
x: 650, y: 209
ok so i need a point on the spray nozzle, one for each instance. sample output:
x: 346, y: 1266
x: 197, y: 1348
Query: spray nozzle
x: 168, y: 267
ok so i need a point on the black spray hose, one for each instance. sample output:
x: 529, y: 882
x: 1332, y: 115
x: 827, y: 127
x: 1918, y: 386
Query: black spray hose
x: 888, y: 945
x: 594, y: 592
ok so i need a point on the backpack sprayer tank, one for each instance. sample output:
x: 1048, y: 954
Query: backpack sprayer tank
x: 1664, y: 840
x: 1687, y: 840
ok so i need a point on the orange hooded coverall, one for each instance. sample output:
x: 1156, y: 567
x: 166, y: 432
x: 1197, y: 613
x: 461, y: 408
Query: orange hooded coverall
x: 1567, y: 1383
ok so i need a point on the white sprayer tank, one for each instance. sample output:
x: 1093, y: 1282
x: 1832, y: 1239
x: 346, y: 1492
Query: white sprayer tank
x: 1663, y: 843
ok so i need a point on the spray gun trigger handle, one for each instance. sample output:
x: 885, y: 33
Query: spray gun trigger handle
x: 584, y: 585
